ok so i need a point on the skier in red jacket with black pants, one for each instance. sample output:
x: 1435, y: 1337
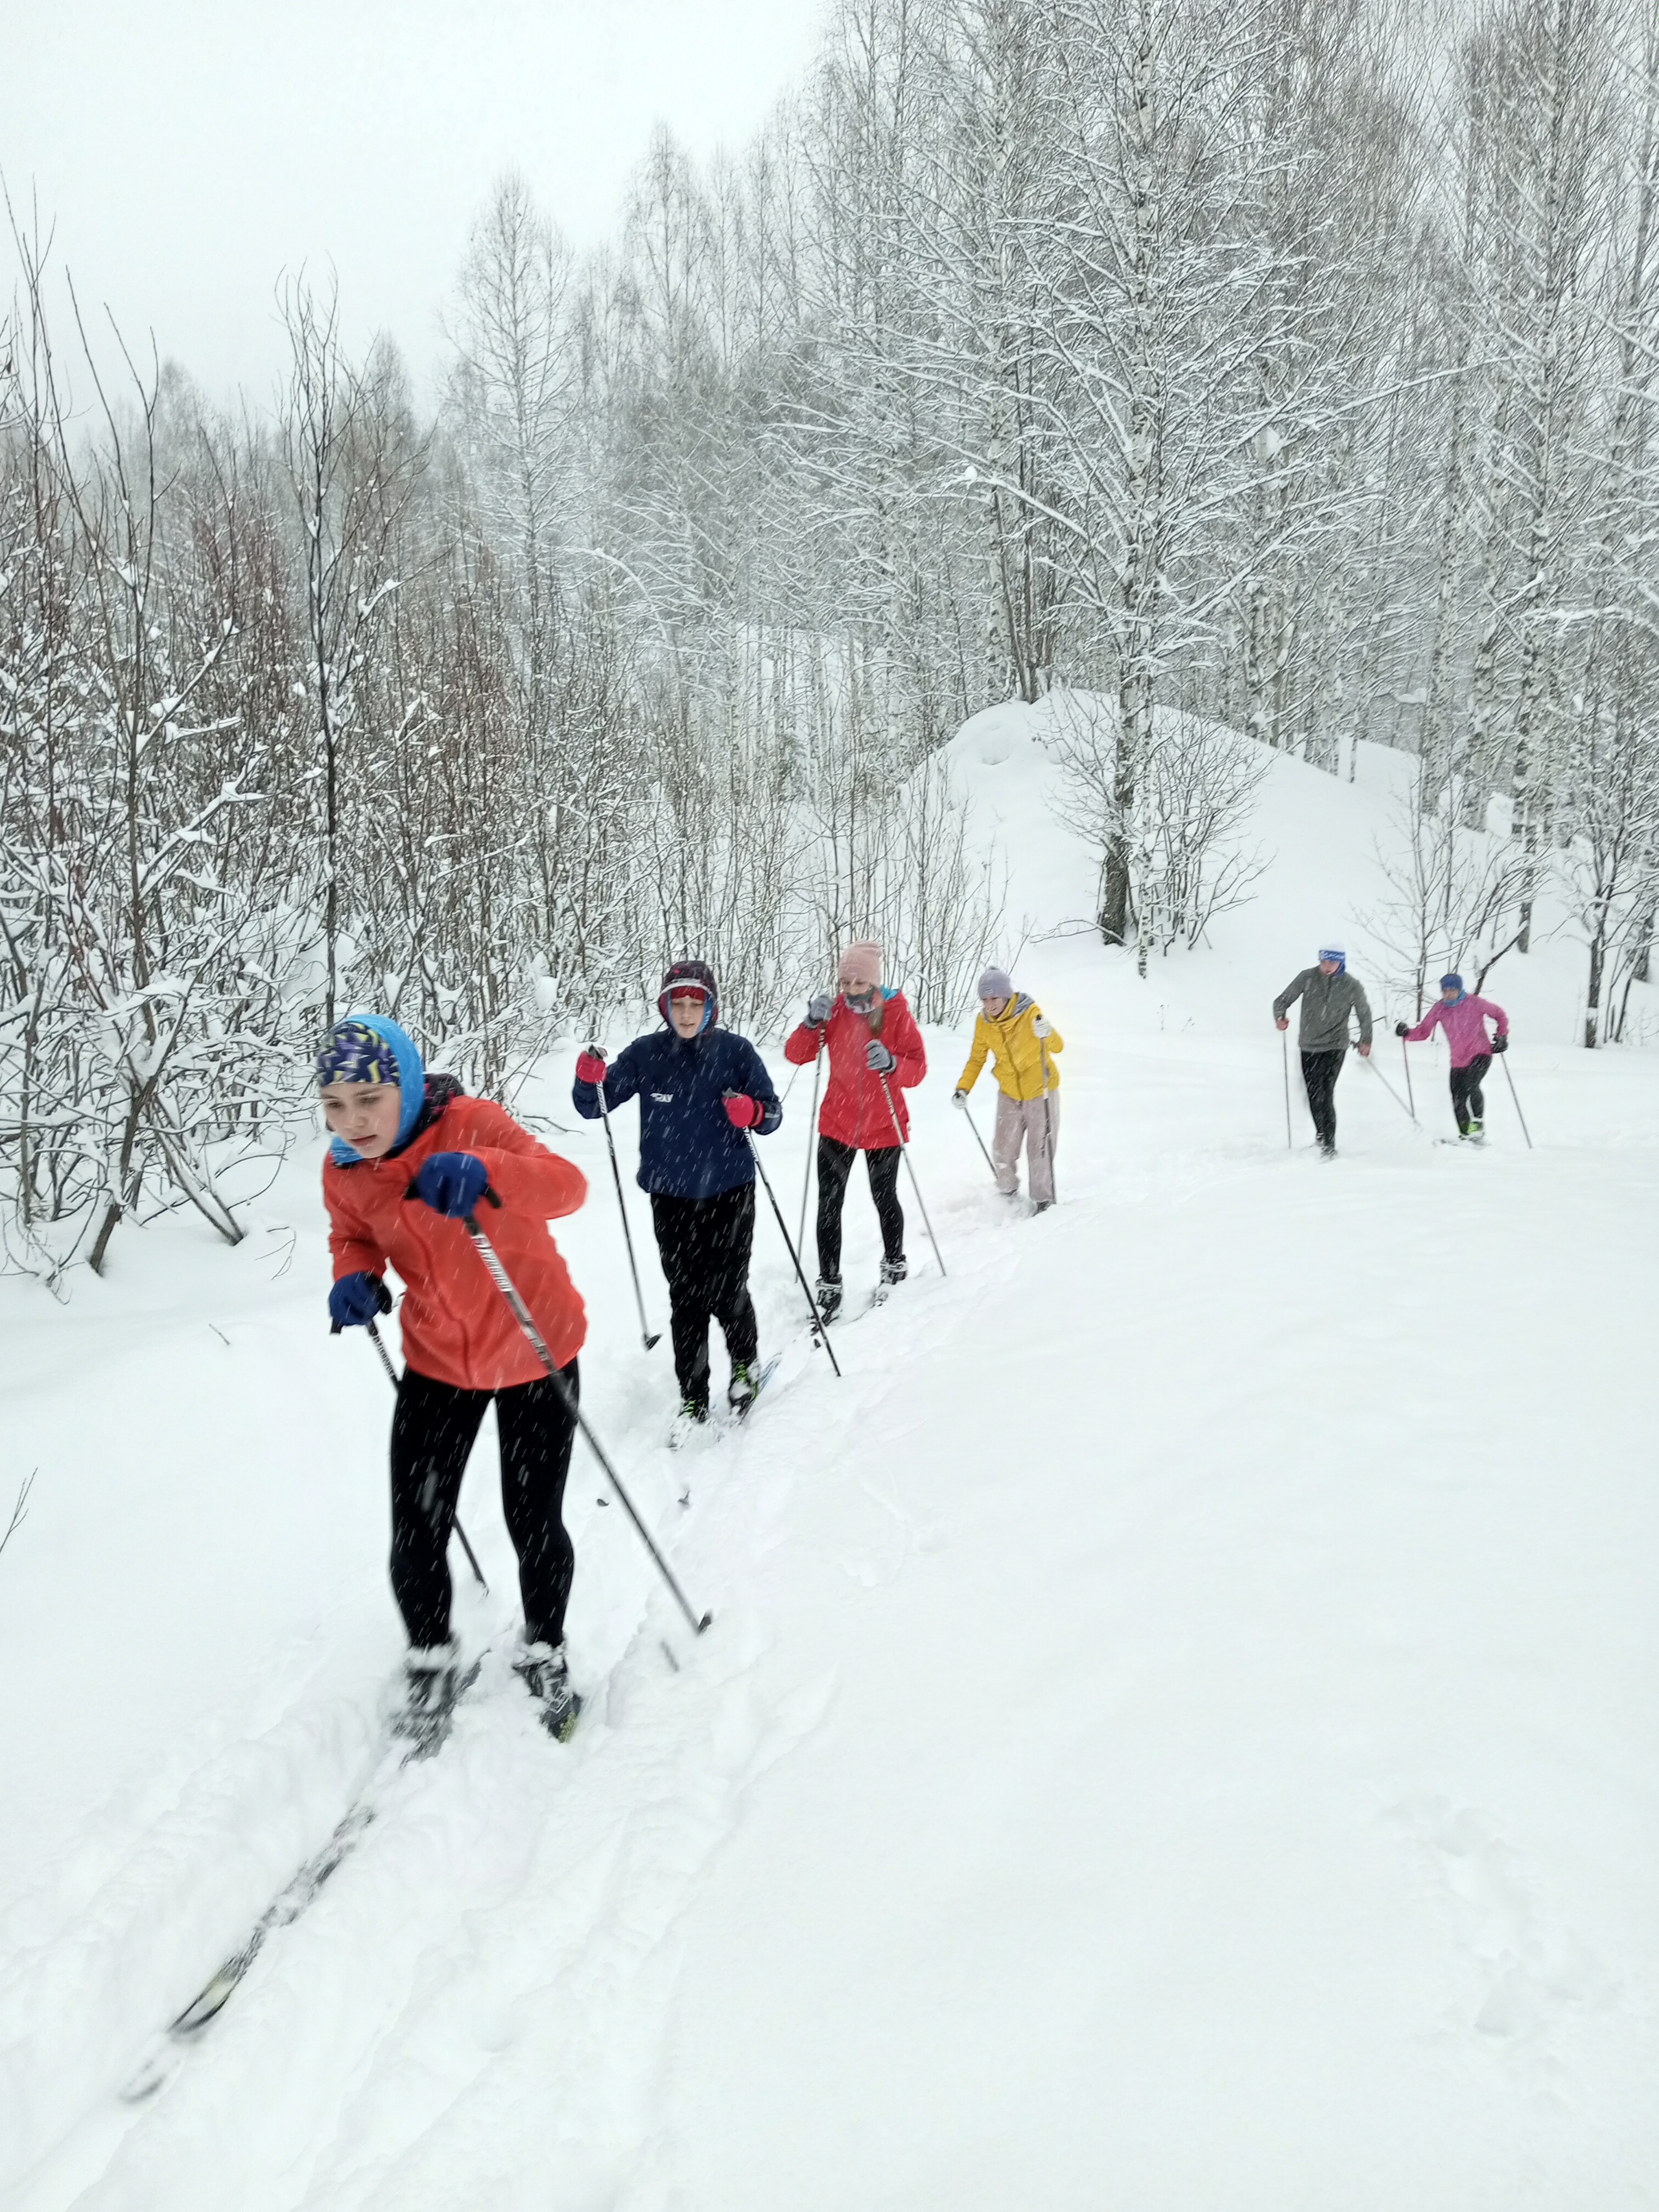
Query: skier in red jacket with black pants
x: 411, y: 1158
x: 876, y: 1055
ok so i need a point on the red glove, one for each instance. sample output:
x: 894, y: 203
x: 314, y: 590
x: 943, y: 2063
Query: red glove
x: 743, y: 1113
x: 590, y: 1065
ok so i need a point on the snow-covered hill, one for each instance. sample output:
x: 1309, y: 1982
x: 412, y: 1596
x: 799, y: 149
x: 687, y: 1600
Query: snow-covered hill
x: 1176, y: 1734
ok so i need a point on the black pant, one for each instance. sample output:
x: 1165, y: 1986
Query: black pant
x: 705, y: 1244
x: 1319, y: 1072
x: 1469, y: 1100
x: 432, y: 1433
x: 834, y: 1165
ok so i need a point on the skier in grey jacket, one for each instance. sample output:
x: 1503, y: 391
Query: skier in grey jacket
x: 1329, y: 995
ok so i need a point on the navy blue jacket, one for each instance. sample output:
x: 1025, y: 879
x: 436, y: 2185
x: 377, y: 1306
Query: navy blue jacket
x: 688, y: 1147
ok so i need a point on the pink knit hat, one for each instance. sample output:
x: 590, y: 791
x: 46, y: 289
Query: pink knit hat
x: 860, y: 963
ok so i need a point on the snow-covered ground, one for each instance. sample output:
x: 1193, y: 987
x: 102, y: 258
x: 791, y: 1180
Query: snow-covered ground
x: 1176, y: 1734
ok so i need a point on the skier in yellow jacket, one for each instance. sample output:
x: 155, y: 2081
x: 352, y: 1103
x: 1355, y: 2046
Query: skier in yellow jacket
x: 1013, y: 1028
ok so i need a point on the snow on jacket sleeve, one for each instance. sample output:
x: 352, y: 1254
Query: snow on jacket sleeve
x: 983, y: 1042
x: 903, y: 1040
x: 1291, y: 992
x: 523, y: 1174
x: 802, y: 1045
x: 622, y: 1080
x: 1427, y: 1026
x: 757, y: 1084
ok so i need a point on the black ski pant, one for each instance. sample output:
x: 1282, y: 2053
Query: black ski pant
x: 705, y: 1244
x: 1319, y: 1072
x: 432, y: 1435
x: 1468, y: 1099
x: 834, y: 1165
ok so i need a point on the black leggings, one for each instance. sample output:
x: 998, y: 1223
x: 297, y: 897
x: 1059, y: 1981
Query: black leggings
x: 704, y: 1244
x: 1319, y: 1072
x: 1469, y: 1100
x: 432, y: 1433
x: 834, y: 1165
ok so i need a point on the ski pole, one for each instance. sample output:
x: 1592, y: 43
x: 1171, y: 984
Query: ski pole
x: 968, y: 1116
x: 1048, y: 1120
x: 1515, y: 1095
x: 525, y: 1320
x: 904, y: 1146
x: 812, y: 1140
x: 379, y: 1343
x: 820, y: 1334
x: 1392, y: 1092
x: 1285, y: 1041
x: 1406, y: 1060
x: 628, y: 1234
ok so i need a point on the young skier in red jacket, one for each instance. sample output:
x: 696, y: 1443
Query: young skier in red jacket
x: 411, y: 1158
x: 876, y: 1053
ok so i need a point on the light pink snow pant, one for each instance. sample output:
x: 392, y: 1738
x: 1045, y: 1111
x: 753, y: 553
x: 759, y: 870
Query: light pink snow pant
x: 1021, y: 1121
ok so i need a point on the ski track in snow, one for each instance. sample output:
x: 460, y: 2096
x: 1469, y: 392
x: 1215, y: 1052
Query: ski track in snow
x: 1177, y: 1731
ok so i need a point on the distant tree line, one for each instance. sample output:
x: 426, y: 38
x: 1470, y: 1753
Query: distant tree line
x: 1289, y: 366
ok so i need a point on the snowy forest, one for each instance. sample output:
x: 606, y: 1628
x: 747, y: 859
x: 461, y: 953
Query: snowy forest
x: 1288, y: 366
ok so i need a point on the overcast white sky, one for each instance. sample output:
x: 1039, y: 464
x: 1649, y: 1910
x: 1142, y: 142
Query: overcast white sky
x: 189, y: 151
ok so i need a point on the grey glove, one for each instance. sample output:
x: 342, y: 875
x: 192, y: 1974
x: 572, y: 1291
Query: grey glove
x: 818, y: 1010
x: 1042, y: 1026
x: 878, y: 1060
x: 958, y: 1097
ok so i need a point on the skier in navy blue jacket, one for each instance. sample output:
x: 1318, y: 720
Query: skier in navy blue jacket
x: 700, y: 1088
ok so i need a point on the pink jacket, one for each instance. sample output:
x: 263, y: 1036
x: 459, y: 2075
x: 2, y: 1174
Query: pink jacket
x: 1465, y: 1024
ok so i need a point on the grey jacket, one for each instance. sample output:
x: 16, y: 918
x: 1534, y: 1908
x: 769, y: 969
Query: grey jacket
x: 1326, y: 1003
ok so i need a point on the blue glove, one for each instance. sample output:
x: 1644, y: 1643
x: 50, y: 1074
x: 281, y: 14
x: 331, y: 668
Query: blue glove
x: 356, y: 1299
x: 452, y: 1183
x: 878, y: 1060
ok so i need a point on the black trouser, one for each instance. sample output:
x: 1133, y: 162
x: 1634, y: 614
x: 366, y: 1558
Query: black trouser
x: 1469, y: 1100
x: 834, y: 1165
x: 1319, y: 1072
x: 705, y: 1244
x: 432, y: 1433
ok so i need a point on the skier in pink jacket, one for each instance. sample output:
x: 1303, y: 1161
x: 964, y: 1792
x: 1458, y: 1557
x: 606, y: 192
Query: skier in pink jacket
x: 1464, y: 1020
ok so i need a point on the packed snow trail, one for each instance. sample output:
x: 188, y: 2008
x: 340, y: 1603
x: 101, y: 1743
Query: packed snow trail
x: 1176, y: 1728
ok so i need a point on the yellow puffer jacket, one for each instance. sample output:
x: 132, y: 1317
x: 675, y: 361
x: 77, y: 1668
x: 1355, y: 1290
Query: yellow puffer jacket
x: 1019, y: 1051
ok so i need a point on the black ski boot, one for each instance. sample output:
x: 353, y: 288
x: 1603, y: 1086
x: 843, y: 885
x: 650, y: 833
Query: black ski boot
x: 541, y: 1668
x: 432, y: 1682
x: 693, y: 1414
x: 828, y: 1295
x: 743, y: 1389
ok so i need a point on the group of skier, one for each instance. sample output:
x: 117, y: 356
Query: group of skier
x: 413, y: 1159
x: 1331, y: 998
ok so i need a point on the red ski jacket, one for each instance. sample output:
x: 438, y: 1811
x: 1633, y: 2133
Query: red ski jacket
x: 457, y: 1326
x: 856, y: 1111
